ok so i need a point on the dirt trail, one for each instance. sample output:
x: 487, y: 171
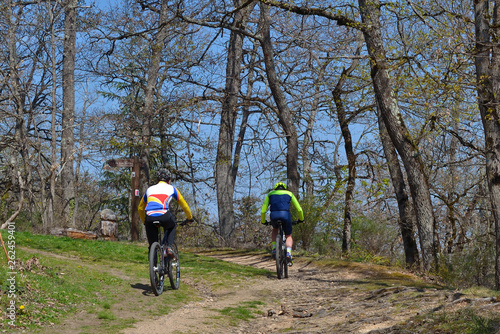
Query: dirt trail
x: 311, y: 300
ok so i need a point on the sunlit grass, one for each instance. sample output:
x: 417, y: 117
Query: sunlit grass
x: 94, y: 276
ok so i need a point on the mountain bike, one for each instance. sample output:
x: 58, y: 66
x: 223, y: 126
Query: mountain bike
x: 161, y: 265
x: 281, y: 261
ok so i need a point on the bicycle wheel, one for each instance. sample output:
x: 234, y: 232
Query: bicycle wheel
x: 174, y: 269
x: 279, y: 253
x: 285, y: 264
x: 156, y: 268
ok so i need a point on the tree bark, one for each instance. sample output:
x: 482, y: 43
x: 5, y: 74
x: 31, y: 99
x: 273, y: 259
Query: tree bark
x: 400, y: 136
x: 285, y: 116
x: 224, y: 176
x: 487, y: 63
x: 68, y: 113
x: 406, y: 213
x: 351, y: 160
x: 21, y: 176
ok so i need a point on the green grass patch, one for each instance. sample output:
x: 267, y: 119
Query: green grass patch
x: 57, y: 276
x: 465, y: 321
x: 243, y: 312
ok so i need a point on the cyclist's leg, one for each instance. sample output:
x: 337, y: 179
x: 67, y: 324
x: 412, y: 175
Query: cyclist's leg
x: 288, y: 233
x: 170, y: 226
x: 274, y: 233
x: 275, y: 215
x: 287, y: 229
x: 151, y: 230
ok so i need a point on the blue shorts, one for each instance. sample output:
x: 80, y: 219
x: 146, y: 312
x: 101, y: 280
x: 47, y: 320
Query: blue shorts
x: 285, y: 216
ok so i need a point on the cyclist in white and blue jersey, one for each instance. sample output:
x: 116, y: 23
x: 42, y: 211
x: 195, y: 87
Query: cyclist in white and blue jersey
x: 154, y: 207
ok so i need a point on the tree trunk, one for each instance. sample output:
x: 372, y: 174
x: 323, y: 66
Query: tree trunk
x: 21, y: 176
x: 308, y: 140
x: 53, y: 143
x: 285, y: 116
x: 148, y: 113
x: 487, y: 73
x: 68, y: 113
x: 224, y: 177
x: 351, y: 160
x: 400, y: 136
x: 406, y: 213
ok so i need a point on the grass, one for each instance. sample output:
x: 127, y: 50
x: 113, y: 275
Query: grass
x: 245, y: 311
x: 58, y: 276
x: 465, y: 321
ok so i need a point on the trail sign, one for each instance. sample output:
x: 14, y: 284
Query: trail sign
x: 120, y: 163
x: 135, y: 164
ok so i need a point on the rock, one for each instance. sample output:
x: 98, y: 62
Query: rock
x: 109, y: 227
x: 108, y: 214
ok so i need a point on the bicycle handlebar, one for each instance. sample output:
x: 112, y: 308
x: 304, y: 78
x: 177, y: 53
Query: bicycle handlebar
x: 180, y: 222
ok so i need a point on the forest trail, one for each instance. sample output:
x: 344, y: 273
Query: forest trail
x: 345, y: 297
x: 354, y: 299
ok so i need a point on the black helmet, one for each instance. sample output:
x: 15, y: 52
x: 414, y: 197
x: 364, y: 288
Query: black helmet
x: 163, y: 175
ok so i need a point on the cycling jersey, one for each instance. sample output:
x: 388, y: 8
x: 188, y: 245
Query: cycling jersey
x: 157, y: 198
x: 279, y: 201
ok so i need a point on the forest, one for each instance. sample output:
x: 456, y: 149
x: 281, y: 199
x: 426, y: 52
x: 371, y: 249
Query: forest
x: 381, y: 117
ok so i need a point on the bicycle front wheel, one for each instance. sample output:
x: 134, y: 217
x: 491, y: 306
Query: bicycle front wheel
x: 174, y: 269
x: 156, y: 274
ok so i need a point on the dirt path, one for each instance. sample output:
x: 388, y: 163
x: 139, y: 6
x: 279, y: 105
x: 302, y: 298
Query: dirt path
x: 354, y: 299
x: 312, y: 300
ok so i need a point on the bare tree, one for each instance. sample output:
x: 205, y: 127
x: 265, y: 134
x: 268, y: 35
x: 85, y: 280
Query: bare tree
x: 285, y: 115
x: 68, y: 112
x: 406, y: 214
x: 407, y: 149
x: 487, y: 63
x: 224, y: 176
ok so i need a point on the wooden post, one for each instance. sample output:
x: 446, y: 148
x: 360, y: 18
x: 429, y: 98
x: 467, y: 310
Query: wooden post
x: 135, y: 193
x: 134, y: 226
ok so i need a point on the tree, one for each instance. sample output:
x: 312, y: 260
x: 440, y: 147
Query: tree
x: 68, y: 112
x: 351, y: 155
x: 407, y: 149
x: 399, y: 134
x: 406, y: 214
x: 224, y: 176
x: 285, y: 115
x: 487, y: 62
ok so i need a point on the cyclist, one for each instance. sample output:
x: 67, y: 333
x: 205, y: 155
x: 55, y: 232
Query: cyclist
x: 278, y: 200
x: 154, y: 207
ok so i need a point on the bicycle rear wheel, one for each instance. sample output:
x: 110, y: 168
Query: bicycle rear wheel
x: 156, y: 274
x: 285, y: 263
x: 174, y: 269
x: 280, y: 256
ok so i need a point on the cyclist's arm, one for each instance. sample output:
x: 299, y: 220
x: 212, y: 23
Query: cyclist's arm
x: 297, y: 207
x: 183, y: 204
x: 142, y: 208
x: 264, y: 210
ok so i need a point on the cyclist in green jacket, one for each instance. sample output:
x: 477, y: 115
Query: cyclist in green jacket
x: 278, y: 201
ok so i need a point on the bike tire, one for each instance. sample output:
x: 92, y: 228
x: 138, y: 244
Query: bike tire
x: 285, y: 263
x: 156, y: 274
x: 174, y: 269
x: 279, y: 253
